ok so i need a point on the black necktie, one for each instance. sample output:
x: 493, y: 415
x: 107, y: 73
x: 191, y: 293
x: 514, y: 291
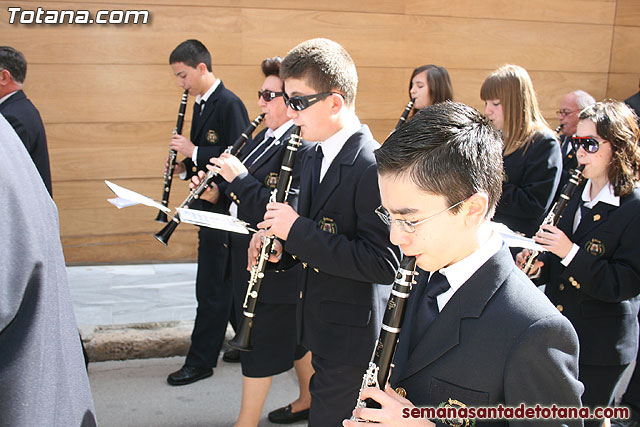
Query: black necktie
x: 317, y: 167
x: 427, y: 306
x: 585, y: 211
x: 258, y: 151
x: 203, y: 104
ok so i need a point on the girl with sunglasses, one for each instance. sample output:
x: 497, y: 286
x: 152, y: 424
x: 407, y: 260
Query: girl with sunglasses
x: 592, y: 267
x: 531, y: 153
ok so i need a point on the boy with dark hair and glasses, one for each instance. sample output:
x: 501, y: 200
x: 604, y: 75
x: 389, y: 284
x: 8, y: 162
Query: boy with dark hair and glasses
x: 342, y: 248
x: 476, y: 331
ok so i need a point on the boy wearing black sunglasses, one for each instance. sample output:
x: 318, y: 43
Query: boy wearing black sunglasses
x: 342, y: 247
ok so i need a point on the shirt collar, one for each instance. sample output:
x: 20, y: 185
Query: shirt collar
x: 457, y: 274
x: 277, y: 134
x: 208, y: 93
x: 606, y: 195
x: 4, y: 98
x: 332, y: 145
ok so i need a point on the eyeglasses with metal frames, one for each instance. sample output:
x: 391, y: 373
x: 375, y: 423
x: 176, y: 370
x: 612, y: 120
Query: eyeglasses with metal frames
x: 410, y: 226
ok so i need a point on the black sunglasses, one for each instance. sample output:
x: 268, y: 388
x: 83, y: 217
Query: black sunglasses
x: 590, y: 145
x: 268, y: 95
x: 299, y: 103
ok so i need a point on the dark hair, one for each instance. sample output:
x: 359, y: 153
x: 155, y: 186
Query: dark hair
x: 325, y: 65
x: 440, y: 89
x: 191, y: 52
x: 617, y: 123
x: 13, y: 61
x: 447, y: 149
x: 271, y: 66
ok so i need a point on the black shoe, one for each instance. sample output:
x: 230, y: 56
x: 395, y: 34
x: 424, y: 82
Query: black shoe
x: 188, y: 375
x: 231, y: 356
x: 632, y: 421
x: 624, y: 423
x: 285, y: 416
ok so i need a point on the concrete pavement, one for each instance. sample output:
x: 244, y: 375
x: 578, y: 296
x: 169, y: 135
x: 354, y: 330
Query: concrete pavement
x: 134, y: 393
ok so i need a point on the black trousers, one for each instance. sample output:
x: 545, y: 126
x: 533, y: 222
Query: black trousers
x: 599, y: 383
x: 213, y: 293
x: 631, y: 397
x: 334, y: 391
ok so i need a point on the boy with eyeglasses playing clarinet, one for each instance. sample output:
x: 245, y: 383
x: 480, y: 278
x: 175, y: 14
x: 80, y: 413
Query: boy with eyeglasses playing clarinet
x: 476, y: 331
x: 342, y: 248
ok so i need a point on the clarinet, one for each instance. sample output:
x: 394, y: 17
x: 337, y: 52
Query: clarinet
x: 403, y: 117
x: 242, y: 340
x: 163, y: 235
x: 556, y: 211
x: 558, y: 129
x: 377, y: 374
x: 168, y: 175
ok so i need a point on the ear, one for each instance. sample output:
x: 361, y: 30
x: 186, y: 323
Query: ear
x: 337, y: 103
x: 476, y: 208
x: 5, y: 77
x: 202, y: 68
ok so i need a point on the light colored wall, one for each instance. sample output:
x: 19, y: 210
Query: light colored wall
x: 109, y: 100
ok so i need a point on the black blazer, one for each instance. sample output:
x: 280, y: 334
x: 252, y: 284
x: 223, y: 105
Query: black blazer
x: 251, y: 193
x: 497, y: 341
x: 26, y: 121
x: 529, y: 185
x: 346, y: 252
x: 634, y: 102
x: 598, y: 290
x: 223, y: 120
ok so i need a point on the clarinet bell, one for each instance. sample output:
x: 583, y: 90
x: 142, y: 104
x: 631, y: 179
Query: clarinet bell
x: 242, y: 340
x: 163, y: 235
x: 162, y: 217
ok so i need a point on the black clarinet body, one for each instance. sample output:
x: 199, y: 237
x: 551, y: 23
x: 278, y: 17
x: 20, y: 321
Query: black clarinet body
x: 168, y: 175
x: 403, y: 117
x: 242, y: 340
x: 163, y: 235
x: 555, y: 213
x: 379, y: 369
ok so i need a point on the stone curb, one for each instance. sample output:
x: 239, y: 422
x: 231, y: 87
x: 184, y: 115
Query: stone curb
x: 136, y: 340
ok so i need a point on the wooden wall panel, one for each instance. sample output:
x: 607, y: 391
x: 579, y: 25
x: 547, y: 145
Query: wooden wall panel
x: 622, y: 85
x: 109, y: 99
x: 628, y: 13
x: 624, y: 55
x: 576, y: 11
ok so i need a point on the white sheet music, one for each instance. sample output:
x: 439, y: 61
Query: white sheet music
x: 515, y: 240
x: 212, y: 220
x: 131, y: 198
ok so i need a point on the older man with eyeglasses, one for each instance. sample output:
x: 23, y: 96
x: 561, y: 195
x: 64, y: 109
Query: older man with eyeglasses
x: 570, y: 107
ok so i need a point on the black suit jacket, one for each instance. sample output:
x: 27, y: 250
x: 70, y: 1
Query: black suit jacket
x: 598, y: 290
x: 251, y: 192
x: 497, y: 341
x: 223, y: 120
x: 634, y: 102
x: 26, y: 121
x: 346, y: 253
x: 529, y: 185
